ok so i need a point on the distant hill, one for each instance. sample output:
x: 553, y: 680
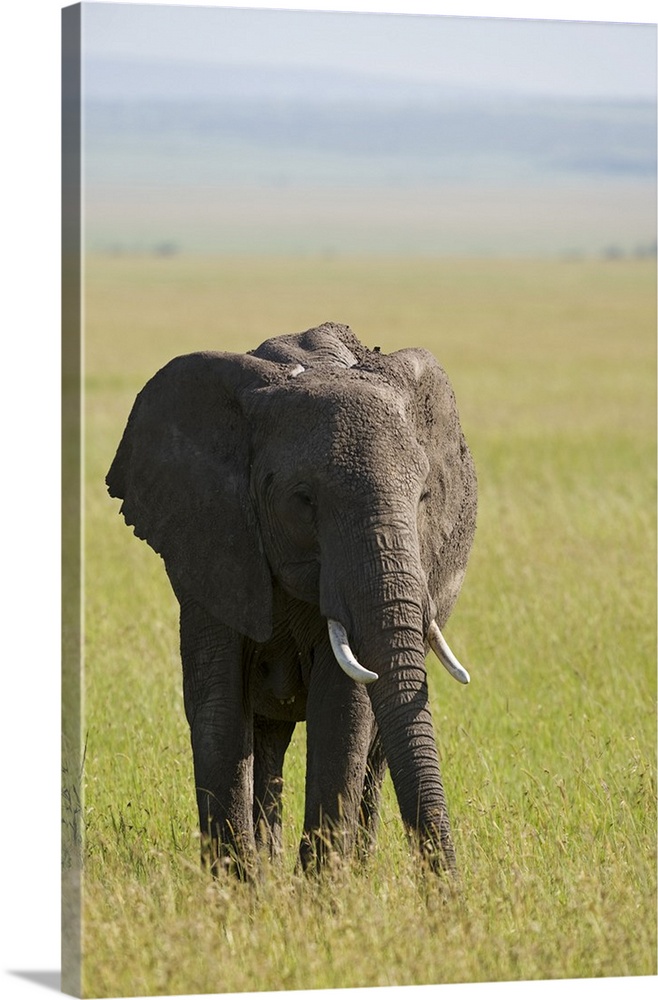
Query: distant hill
x: 337, y: 141
x: 166, y: 133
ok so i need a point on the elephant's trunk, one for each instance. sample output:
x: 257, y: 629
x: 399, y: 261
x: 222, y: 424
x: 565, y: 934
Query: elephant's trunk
x: 401, y: 705
x: 388, y: 620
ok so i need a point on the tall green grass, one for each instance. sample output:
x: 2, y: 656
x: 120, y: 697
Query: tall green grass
x: 548, y: 756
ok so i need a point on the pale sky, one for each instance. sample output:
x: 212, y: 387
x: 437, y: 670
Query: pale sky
x: 519, y: 56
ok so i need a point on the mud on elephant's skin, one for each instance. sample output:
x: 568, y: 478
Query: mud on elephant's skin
x: 314, y: 504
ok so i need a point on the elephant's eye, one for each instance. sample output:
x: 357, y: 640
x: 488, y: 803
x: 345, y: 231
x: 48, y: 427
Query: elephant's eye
x: 299, y: 516
x: 300, y: 504
x: 304, y: 498
x: 424, y: 496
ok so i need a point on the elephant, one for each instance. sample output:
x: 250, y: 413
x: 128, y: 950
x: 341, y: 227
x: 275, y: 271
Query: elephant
x: 314, y: 503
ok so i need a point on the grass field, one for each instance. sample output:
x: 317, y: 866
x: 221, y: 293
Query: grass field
x: 548, y: 756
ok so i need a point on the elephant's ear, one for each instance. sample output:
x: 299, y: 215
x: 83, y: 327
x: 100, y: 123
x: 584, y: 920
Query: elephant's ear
x: 182, y: 471
x: 449, y: 508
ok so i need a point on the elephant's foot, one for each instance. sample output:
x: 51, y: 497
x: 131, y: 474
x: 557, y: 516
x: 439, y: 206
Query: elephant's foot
x: 229, y: 856
x: 326, y: 848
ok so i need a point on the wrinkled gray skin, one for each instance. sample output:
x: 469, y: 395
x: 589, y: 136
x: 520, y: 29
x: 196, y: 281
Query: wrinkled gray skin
x: 279, y: 498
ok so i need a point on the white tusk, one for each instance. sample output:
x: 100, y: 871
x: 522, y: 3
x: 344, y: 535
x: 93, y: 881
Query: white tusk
x: 346, y: 658
x: 446, y: 655
x: 297, y: 370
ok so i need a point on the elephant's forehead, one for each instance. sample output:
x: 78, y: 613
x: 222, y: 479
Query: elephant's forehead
x: 351, y: 423
x: 348, y: 397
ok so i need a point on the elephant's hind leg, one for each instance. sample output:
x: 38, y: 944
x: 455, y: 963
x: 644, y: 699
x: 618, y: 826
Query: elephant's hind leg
x: 372, y: 788
x: 271, y: 740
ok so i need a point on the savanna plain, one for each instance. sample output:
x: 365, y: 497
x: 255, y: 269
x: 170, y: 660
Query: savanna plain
x: 548, y: 755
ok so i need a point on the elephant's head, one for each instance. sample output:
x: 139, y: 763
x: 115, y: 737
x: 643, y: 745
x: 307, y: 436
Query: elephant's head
x: 339, y: 474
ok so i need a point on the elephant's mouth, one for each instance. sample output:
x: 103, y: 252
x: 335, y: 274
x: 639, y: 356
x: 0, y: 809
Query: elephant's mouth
x: 348, y: 662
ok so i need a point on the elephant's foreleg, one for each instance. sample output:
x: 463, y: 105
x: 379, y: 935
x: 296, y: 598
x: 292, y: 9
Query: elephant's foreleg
x: 372, y: 788
x: 222, y: 740
x: 339, y: 723
x: 271, y: 740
